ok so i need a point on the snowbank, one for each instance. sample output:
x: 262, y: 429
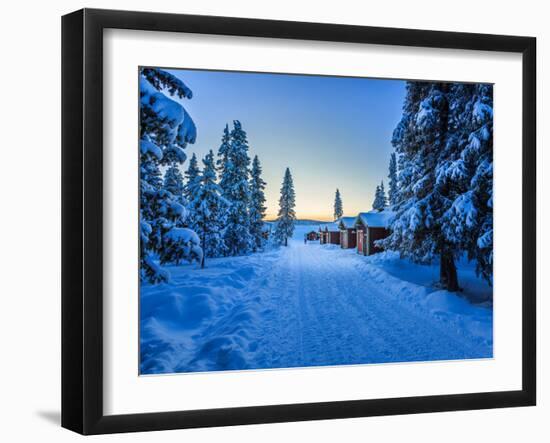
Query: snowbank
x: 470, y: 311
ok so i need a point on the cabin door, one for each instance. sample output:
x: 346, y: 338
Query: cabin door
x: 360, y: 241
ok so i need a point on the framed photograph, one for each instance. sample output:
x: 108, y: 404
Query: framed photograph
x: 269, y: 221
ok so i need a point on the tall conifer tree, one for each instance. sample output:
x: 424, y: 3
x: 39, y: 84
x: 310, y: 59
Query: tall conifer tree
x: 235, y: 186
x: 445, y: 147
x: 209, y: 211
x: 338, y: 208
x: 257, y: 205
x: 165, y: 130
x: 380, y: 201
x: 287, y: 215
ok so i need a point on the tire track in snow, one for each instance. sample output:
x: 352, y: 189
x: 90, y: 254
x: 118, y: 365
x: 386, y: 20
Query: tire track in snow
x: 345, y: 317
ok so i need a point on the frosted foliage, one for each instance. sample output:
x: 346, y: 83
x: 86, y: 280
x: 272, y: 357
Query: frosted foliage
x: 165, y: 130
x: 444, y: 150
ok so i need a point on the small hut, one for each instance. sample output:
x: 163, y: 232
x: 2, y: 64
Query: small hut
x: 312, y: 236
x: 329, y: 233
x: 348, y: 236
x: 371, y: 226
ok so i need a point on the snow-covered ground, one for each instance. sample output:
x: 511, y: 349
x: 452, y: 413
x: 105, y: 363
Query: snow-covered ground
x: 310, y: 305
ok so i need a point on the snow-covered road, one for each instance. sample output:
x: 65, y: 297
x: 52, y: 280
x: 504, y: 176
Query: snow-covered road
x: 328, y: 310
x: 304, y: 305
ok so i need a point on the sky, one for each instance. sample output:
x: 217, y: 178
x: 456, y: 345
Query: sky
x: 332, y: 132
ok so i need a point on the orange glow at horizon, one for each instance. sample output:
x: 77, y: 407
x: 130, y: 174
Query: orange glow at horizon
x: 303, y: 216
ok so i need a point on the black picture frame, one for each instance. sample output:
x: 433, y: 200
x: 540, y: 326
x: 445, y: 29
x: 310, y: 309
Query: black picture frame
x: 82, y: 218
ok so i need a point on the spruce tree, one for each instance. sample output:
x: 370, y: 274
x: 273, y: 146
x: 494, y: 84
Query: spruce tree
x: 257, y: 205
x: 392, y: 176
x: 173, y: 182
x: 338, y: 208
x: 383, y: 197
x: 192, y: 179
x: 468, y: 173
x: 287, y: 215
x: 165, y: 130
x: 223, y: 156
x: 235, y: 186
x: 445, y: 147
x: 480, y: 147
x: 380, y: 201
x: 209, y: 208
x: 420, y: 140
x: 191, y: 189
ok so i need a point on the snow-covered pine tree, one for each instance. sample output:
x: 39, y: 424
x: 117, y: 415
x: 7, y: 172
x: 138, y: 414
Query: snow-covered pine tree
x: 191, y: 189
x: 223, y: 153
x: 376, y: 203
x: 209, y: 208
x: 152, y: 199
x: 338, y: 208
x: 466, y: 175
x: 420, y: 140
x: 480, y: 147
x: 392, y: 176
x: 257, y: 205
x: 445, y: 205
x: 192, y: 179
x: 234, y: 182
x: 380, y: 201
x: 165, y: 130
x: 287, y: 215
x: 173, y: 182
x: 181, y: 244
x: 222, y: 164
x: 383, y: 197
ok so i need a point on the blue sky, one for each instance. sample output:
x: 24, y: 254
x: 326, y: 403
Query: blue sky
x: 332, y: 132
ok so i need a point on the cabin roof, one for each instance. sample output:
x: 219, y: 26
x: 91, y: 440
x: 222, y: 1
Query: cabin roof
x: 329, y: 227
x: 346, y: 222
x: 375, y: 219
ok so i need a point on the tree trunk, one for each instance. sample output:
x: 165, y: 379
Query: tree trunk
x: 203, y: 249
x: 286, y: 241
x: 447, y: 272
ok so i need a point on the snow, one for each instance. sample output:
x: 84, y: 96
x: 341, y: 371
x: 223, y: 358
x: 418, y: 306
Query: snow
x: 482, y: 112
x: 166, y: 109
x: 182, y: 234
x: 464, y: 207
x: 309, y: 305
x: 179, y: 209
x: 187, y: 239
x: 347, y: 222
x: 376, y: 219
x: 329, y: 227
x: 187, y: 131
x: 177, y: 123
x: 147, y: 146
x: 486, y: 240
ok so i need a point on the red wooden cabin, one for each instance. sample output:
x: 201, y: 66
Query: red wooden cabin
x: 312, y: 236
x: 348, y: 235
x: 329, y: 234
x: 372, y: 226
